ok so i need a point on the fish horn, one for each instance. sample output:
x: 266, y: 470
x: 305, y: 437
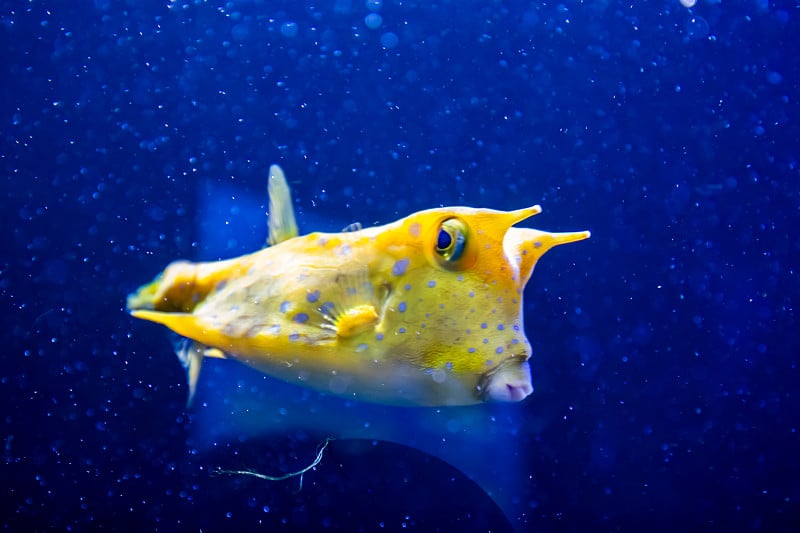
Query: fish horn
x: 526, y: 246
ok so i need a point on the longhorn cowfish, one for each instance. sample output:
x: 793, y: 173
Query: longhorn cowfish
x: 424, y: 311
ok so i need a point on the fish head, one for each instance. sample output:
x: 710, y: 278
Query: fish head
x: 458, y: 276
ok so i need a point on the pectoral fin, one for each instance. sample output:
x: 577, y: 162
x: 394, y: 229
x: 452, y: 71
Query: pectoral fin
x: 357, y: 308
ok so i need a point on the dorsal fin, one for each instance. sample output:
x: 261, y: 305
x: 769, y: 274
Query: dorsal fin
x: 282, y: 225
x: 353, y: 226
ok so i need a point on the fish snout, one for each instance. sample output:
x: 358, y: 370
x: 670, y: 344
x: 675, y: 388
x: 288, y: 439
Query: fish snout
x: 508, y: 383
x: 509, y: 391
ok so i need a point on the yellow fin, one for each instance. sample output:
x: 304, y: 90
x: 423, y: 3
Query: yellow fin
x: 355, y: 320
x: 357, y: 310
x: 145, y: 296
x: 215, y: 352
x: 282, y: 224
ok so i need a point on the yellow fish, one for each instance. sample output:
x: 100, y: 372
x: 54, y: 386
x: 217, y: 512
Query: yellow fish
x: 426, y: 310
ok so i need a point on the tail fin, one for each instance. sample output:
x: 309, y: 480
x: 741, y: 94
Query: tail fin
x: 170, y: 300
x: 182, y: 286
x: 176, y: 290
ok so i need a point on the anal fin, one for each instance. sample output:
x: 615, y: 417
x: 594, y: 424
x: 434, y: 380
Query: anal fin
x: 191, y: 354
x: 195, y: 340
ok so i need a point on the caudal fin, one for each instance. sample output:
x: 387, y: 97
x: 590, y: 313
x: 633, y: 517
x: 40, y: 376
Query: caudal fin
x: 183, y: 285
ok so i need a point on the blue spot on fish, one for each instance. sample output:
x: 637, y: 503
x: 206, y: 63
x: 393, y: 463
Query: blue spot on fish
x: 499, y: 349
x: 431, y: 284
x: 379, y: 337
x: 300, y: 318
x: 471, y: 350
x: 401, y: 307
x: 501, y: 327
x: 312, y: 296
x: 294, y: 336
x: 400, y: 267
x: 285, y: 306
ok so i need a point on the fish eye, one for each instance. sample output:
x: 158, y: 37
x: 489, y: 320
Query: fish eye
x: 450, y: 239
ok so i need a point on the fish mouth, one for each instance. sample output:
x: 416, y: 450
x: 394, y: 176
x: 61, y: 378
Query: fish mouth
x: 510, y: 381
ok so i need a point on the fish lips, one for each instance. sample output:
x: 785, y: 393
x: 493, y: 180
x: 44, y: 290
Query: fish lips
x: 510, y: 381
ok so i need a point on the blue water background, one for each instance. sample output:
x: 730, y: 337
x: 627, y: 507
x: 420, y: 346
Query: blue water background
x: 665, y: 363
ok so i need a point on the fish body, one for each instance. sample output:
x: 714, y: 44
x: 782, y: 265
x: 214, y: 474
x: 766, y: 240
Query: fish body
x: 426, y: 310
